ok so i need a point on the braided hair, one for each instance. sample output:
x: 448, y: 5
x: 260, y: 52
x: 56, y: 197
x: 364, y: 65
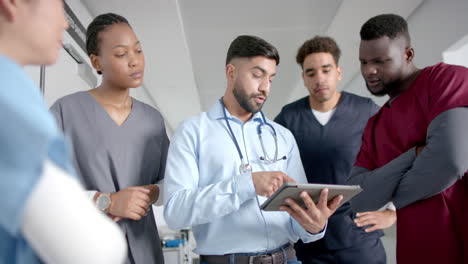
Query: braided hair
x: 100, y: 24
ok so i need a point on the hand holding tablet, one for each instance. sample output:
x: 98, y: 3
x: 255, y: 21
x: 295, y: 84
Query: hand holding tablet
x: 293, y: 191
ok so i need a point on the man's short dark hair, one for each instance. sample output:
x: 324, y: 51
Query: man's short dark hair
x: 318, y: 44
x: 389, y: 25
x: 251, y: 46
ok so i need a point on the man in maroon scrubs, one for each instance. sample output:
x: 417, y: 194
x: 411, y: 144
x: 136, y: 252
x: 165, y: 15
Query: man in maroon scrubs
x: 415, y: 149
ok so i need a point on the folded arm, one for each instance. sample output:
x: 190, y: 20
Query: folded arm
x: 380, y: 184
x: 442, y: 162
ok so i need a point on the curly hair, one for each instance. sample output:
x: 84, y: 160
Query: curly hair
x: 316, y: 45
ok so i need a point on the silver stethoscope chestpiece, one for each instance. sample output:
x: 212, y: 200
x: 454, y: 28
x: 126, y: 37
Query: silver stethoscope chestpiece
x: 245, y: 168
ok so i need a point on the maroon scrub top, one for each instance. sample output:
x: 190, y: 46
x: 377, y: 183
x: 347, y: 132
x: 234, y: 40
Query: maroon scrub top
x: 433, y: 230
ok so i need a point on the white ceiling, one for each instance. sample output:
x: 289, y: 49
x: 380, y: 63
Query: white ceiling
x: 186, y: 41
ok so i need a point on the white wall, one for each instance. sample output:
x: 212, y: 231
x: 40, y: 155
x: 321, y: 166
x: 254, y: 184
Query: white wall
x: 62, y: 78
x: 458, y: 53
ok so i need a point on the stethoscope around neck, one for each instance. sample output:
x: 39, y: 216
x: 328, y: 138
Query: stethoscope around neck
x: 245, y: 166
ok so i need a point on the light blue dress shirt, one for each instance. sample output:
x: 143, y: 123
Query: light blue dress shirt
x: 204, y: 189
x: 28, y: 136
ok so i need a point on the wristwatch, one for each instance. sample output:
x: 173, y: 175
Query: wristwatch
x: 103, y: 202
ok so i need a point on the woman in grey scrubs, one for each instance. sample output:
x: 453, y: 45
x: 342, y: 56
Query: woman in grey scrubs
x: 120, y: 144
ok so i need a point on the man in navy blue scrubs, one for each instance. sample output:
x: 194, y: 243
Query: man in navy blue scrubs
x: 328, y: 127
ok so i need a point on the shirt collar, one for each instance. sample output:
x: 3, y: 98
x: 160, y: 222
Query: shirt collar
x: 216, y: 112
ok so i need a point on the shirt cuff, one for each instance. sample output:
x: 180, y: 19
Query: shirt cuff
x: 160, y: 200
x: 244, y: 186
x: 306, y: 236
x: 91, y: 195
x: 390, y: 206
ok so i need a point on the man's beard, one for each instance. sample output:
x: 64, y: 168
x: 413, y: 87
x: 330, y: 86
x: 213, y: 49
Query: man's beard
x: 244, y: 100
x: 387, y: 88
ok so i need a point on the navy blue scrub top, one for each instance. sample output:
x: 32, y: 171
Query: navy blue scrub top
x: 328, y: 153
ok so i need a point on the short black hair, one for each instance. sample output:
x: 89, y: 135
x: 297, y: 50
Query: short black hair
x: 100, y: 24
x: 316, y: 45
x: 389, y: 25
x: 251, y: 46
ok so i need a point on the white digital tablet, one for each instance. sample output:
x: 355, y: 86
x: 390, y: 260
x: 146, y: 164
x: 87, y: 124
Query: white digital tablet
x: 293, y: 190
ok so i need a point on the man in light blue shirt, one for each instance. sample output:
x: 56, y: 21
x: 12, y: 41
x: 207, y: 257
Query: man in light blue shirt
x: 219, y: 171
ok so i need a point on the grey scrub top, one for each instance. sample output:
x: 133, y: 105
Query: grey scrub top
x: 109, y: 158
